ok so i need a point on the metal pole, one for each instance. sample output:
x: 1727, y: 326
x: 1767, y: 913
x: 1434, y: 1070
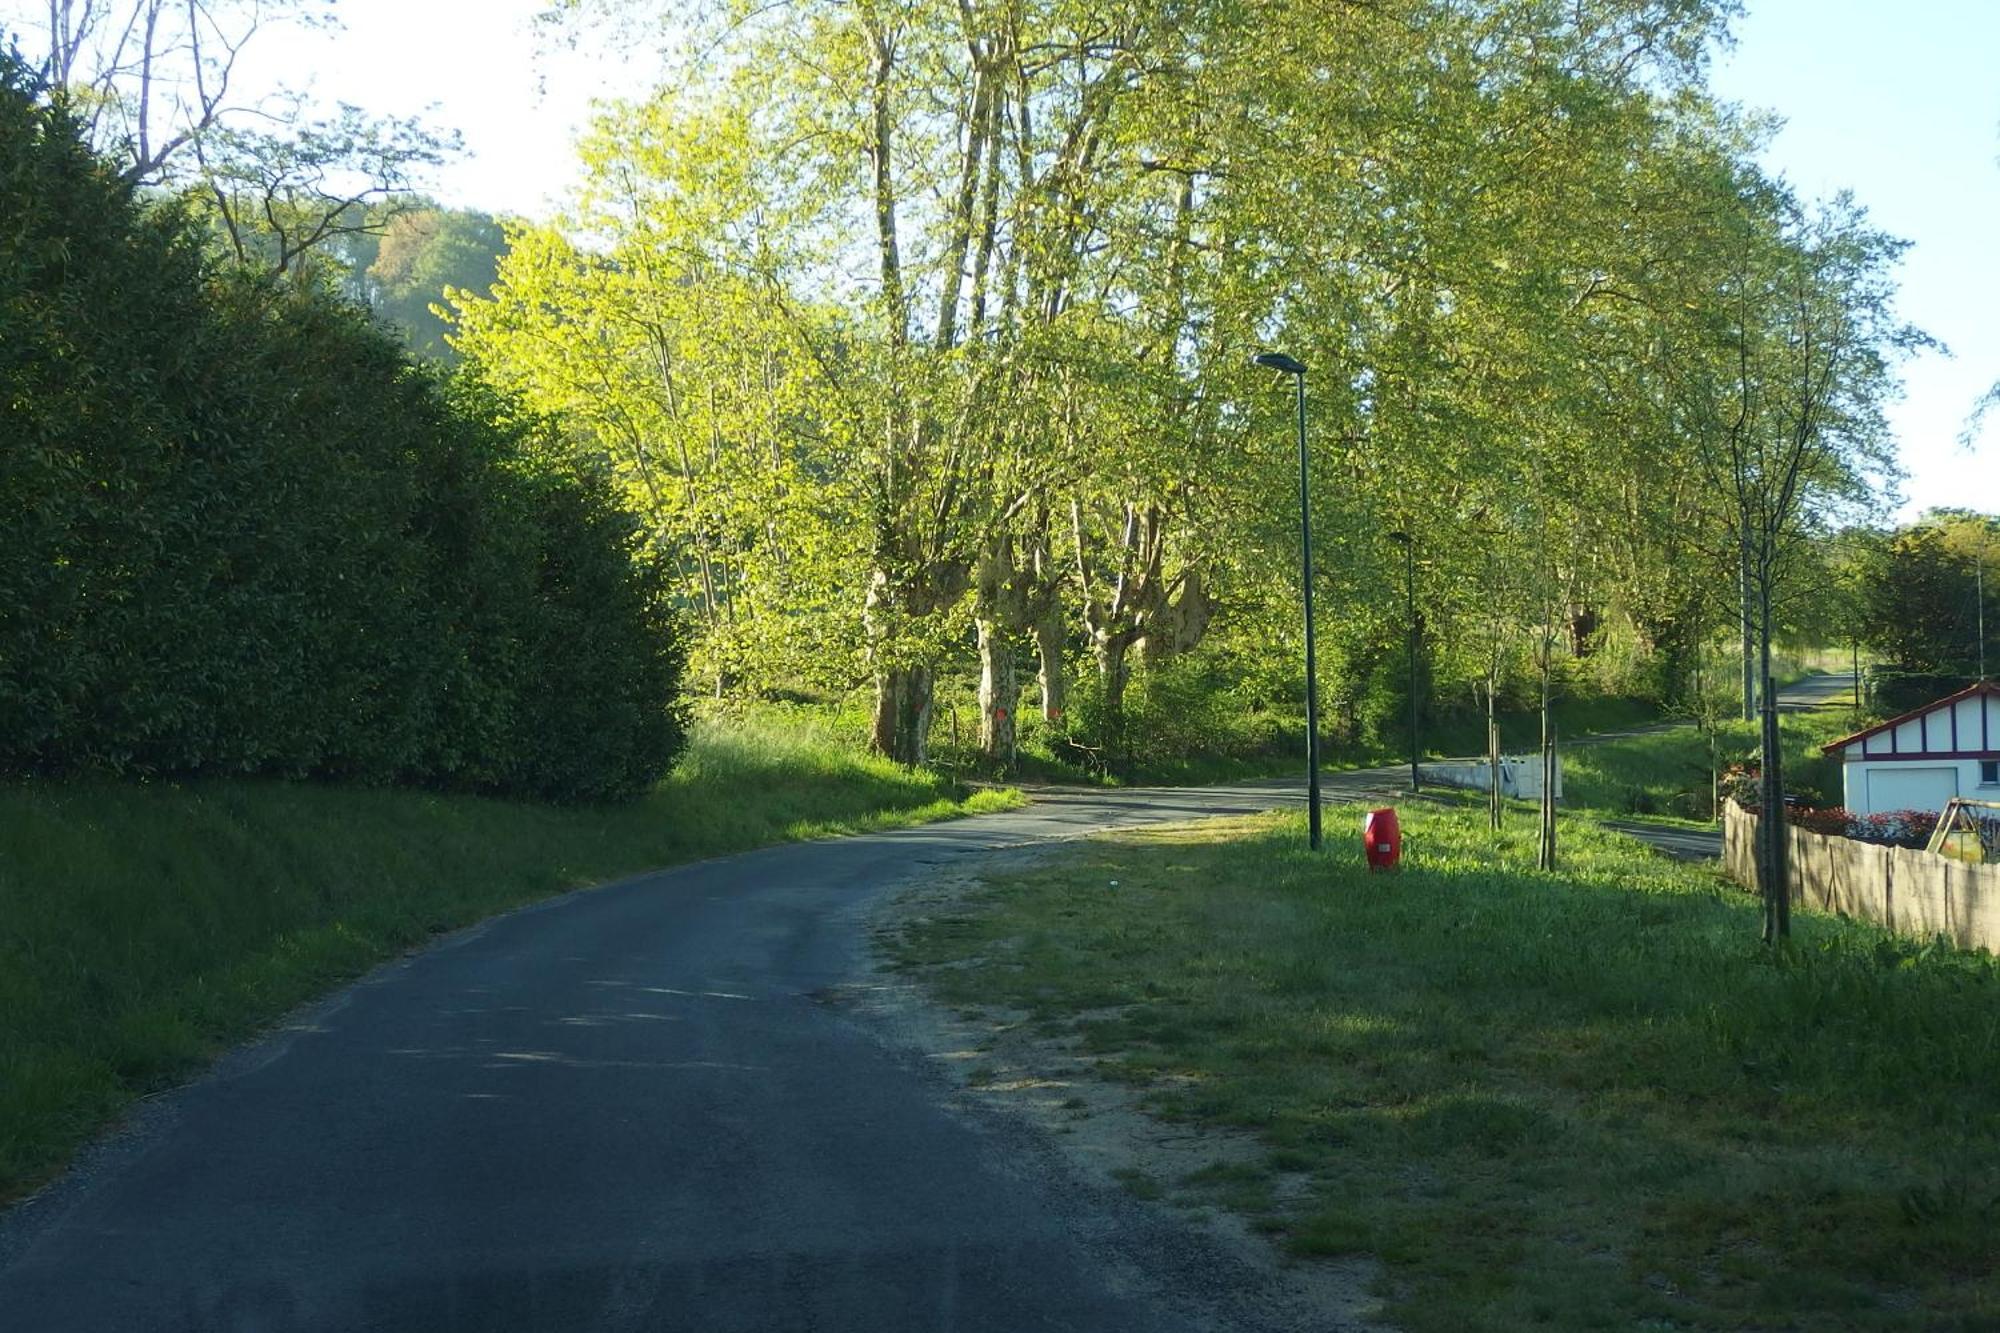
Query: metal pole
x: 1979, y: 594
x: 1312, y: 670
x: 1410, y: 589
x: 1745, y: 624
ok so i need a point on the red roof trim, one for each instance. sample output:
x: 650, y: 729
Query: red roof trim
x: 1980, y: 688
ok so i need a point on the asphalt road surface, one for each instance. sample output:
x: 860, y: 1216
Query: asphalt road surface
x: 630, y: 1108
x: 1829, y: 691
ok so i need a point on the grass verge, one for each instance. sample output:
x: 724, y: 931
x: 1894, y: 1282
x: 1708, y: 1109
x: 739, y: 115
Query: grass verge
x: 144, y: 928
x: 1666, y: 773
x: 1586, y: 1100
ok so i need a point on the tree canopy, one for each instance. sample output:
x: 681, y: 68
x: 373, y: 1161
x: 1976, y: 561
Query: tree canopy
x: 921, y: 332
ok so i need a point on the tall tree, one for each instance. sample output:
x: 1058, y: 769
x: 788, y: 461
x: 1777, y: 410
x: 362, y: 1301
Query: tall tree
x: 157, y: 87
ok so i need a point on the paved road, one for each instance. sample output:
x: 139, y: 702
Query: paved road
x: 1829, y: 691
x: 632, y: 1108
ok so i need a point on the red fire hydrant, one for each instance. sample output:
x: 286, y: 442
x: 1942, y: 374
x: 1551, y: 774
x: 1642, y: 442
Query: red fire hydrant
x: 1383, y: 839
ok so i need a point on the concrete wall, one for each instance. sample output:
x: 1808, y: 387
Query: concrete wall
x: 1911, y: 892
x: 1520, y: 775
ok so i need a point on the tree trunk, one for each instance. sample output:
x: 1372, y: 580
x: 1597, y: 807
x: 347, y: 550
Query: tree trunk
x: 1114, y: 672
x: 1749, y: 636
x: 900, y: 726
x: 1054, y: 671
x: 918, y: 704
x: 999, y: 690
x: 890, y: 686
x: 1545, y: 851
x: 1773, y: 868
x: 1492, y: 762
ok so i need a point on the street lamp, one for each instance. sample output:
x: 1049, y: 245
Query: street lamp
x: 1979, y: 597
x: 1409, y: 545
x: 1280, y: 362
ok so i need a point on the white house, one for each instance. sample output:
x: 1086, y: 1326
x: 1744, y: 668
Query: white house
x: 1927, y: 756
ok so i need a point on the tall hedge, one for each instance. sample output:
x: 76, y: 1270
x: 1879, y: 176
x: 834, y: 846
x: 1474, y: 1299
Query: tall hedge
x: 240, y: 532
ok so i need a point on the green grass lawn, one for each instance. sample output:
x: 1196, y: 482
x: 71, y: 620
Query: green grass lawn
x: 145, y: 927
x: 1666, y: 773
x: 1588, y: 1100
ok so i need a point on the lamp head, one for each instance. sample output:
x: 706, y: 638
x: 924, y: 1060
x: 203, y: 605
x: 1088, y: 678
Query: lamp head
x: 1401, y: 538
x: 1279, y: 361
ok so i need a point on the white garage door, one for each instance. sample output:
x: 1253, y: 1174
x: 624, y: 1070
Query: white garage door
x: 1901, y: 788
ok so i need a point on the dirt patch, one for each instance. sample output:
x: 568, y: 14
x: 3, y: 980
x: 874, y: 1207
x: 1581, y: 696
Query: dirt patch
x: 999, y: 1062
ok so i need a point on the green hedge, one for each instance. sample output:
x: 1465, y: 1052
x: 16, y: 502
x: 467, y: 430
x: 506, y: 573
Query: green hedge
x: 244, y: 534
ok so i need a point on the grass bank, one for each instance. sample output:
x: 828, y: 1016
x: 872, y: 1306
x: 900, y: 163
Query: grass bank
x: 1666, y: 773
x: 1588, y: 1100
x: 145, y: 928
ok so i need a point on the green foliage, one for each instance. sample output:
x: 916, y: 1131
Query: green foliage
x: 146, y: 927
x: 1556, y: 322
x: 422, y: 254
x: 1919, y: 594
x: 250, y: 537
x: 1180, y: 719
x: 1581, y: 1100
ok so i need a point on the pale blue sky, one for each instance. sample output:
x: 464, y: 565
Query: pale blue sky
x: 1900, y: 103
x: 1897, y: 101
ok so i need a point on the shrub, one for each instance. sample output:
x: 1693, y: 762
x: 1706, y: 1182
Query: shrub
x: 1895, y: 828
x: 1833, y: 821
x: 246, y: 535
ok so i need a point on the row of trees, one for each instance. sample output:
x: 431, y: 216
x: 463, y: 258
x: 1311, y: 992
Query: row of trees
x: 922, y: 329
x: 247, y: 534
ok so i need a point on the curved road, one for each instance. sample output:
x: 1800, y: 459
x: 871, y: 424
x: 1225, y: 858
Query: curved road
x: 630, y: 1108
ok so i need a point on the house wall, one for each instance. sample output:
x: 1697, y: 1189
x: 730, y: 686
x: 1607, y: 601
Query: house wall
x: 1865, y: 794
x: 1926, y: 760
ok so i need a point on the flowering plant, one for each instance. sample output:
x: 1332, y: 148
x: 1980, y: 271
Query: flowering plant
x: 1835, y: 820
x: 1895, y: 828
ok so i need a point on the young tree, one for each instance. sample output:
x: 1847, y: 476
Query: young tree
x: 1786, y: 398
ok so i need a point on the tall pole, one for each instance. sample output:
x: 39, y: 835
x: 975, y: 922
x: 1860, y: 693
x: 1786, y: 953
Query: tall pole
x: 1278, y: 361
x: 1746, y: 623
x: 1979, y: 595
x: 1410, y: 591
x: 1312, y: 670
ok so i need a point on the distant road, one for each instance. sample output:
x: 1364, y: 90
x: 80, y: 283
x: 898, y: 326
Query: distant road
x: 1829, y: 691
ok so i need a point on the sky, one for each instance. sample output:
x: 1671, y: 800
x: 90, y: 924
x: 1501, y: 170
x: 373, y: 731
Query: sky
x: 1899, y: 101
x: 1895, y: 100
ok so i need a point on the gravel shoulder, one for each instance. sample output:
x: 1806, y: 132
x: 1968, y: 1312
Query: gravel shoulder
x: 992, y: 1063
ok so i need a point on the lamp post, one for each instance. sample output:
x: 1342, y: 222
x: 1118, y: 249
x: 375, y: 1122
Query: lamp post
x: 1979, y: 596
x: 1409, y: 545
x: 1280, y: 362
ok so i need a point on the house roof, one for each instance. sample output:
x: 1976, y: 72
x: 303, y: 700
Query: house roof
x: 1974, y: 690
